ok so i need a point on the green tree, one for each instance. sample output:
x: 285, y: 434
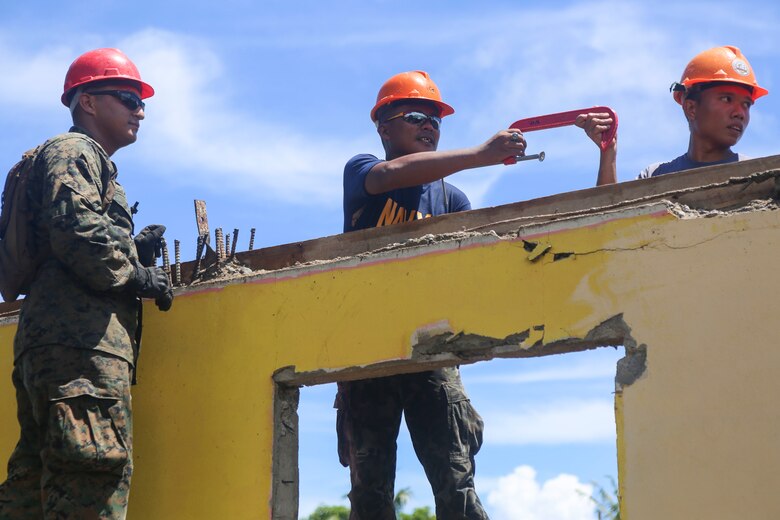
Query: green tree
x: 329, y: 513
x: 401, y: 499
x: 607, y: 503
x: 421, y: 513
x: 399, y: 502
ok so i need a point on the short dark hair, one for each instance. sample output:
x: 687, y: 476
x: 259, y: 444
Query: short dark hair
x: 384, y: 111
x: 694, y: 93
x: 97, y: 85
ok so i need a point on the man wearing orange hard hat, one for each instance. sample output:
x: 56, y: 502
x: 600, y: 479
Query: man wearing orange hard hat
x: 76, y: 343
x: 716, y: 91
x: 408, y: 184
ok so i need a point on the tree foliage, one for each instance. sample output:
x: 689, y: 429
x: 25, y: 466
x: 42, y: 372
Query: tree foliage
x: 399, y: 502
x: 607, y: 503
x: 421, y: 513
x: 329, y: 513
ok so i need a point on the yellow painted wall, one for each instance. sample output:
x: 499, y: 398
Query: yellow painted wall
x: 696, y: 428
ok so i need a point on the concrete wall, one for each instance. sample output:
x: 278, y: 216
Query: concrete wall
x: 691, y: 296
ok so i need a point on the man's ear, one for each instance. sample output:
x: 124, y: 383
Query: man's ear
x: 382, y: 131
x: 689, y: 108
x: 87, y: 103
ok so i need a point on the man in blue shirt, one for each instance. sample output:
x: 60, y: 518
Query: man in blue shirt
x: 409, y: 184
x: 716, y: 91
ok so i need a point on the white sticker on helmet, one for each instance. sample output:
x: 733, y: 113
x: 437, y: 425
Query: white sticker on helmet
x: 740, y: 67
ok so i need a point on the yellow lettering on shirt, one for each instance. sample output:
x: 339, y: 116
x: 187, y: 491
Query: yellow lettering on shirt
x: 388, y: 213
x: 400, y: 216
x: 393, y: 214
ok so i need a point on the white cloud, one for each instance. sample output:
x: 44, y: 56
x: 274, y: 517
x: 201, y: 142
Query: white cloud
x: 621, y: 54
x: 33, y: 78
x: 519, y: 496
x: 557, y: 422
x: 579, y: 372
x: 195, y: 129
x: 194, y: 133
x: 494, y: 68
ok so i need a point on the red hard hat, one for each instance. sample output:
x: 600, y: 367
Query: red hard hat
x: 410, y: 85
x: 726, y: 64
x: 99, y: 65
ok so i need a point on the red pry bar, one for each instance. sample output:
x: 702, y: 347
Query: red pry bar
x: 531, y: 124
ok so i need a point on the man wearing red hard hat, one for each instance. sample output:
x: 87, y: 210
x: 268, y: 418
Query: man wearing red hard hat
x: 76, y: 346
x: 716, y: 92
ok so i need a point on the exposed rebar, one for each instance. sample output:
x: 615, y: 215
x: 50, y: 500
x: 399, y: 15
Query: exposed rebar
x: 220, y: 244
x: 166, y: 259
x: 235, y: 241
x: 198, y: 254
x: 177, y: 259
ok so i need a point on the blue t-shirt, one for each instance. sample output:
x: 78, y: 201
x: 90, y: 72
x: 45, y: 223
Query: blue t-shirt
x: 362, y: 210
x: 684, y: 163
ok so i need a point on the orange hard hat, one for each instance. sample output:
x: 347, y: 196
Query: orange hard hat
x: 719, y: 64
x: 415, y: 84
x: 100, y: 65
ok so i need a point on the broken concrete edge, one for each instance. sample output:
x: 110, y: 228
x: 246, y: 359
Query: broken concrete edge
x: 9, y: 319
x: 659, y: 197
x: 285, y: 478
x: 684, y: 212
x: 424, y: 246
x: 528, y: 228
x: 446, y: 242
x: 656, y: 205
x: 452, y: 349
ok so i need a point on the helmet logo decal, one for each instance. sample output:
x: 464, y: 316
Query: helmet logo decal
x: 740, y: 67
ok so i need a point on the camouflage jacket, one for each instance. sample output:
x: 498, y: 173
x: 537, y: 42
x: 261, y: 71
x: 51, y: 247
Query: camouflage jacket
x: 79, y: 297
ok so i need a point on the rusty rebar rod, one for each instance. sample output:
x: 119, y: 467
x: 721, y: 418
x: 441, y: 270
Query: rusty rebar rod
x: 177, y: 259
x: 166, y: 259
x: 220, y: 244
x: 235, y: 241
x: 198, y: 254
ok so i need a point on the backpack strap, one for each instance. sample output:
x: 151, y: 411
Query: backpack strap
x: 107, y: 180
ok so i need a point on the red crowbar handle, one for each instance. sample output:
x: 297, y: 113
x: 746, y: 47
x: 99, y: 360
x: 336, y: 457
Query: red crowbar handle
x: 564, y: 119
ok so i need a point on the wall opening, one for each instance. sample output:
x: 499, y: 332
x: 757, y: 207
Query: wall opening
x: 549, y: 417
x: 549, y: 424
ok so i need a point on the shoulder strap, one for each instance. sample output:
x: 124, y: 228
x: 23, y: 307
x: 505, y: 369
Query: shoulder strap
x: 106, y: 179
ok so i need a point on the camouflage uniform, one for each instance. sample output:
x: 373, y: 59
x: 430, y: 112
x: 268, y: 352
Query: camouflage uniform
x: 446, y: 432
x: 75, y: 342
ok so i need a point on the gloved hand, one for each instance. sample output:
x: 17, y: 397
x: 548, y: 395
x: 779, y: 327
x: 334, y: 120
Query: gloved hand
x: 148, y: 243
x: 165, y: 301
x: 150, y: 282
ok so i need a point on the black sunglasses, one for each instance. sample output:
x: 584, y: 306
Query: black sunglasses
x: 128, y: 99
x: 418, y: 118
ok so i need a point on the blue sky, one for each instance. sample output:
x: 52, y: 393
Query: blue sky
x: 260, y: 104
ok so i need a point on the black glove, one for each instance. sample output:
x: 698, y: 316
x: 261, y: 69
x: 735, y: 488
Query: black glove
x: 150, y: 282
x: 165, y: 301
x: 148, y: 243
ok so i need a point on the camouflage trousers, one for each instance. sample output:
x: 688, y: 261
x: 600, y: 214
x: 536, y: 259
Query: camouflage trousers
x: 446, y: 432
x: 74, y: 457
